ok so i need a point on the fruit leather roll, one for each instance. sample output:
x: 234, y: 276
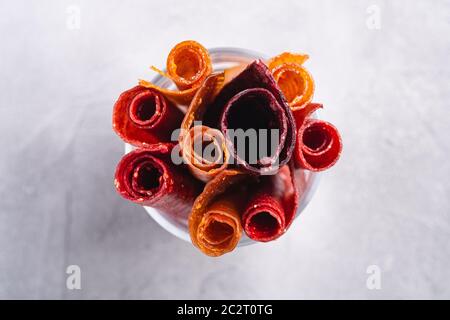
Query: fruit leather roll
x: 215, y: 220
x: 272, y: 206
x: 319, y: 144
x: 195, y: 138
x: 294, y: 80
x: 148, y: 177
x: 143, y: 116
x: 188, y: 65
x: 252, y: 100
x: 205, y: 152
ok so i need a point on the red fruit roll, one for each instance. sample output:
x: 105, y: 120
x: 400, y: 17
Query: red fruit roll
x: 144, y: 116
x: 253, y: 100
x: 148, y: 177
x: 255, y: 109
x: 319, y: 145
x: 271, y: 209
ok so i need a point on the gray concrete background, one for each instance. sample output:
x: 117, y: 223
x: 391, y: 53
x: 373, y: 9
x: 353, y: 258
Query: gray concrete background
x: 385, y: 203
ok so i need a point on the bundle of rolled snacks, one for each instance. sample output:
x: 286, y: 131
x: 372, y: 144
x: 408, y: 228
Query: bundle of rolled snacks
x: 244, y: 137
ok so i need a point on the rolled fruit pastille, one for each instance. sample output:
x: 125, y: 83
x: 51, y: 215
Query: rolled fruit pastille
x: 255, y: 109
x: 148, y: 177
x: 188, y: 65
x: 205, y: 152
x: 215, y: 220
x: 294, y: 80
x: 235, y: 108
x: 319, y: 144
x: 272, y: 206
x: 193, y: 135
x: 143, y: 116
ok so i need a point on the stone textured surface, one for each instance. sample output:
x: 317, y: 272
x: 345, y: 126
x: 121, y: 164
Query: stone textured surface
x: 385, y: 203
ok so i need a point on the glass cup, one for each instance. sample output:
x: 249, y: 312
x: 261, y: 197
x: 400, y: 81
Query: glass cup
x: 223, y: 58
